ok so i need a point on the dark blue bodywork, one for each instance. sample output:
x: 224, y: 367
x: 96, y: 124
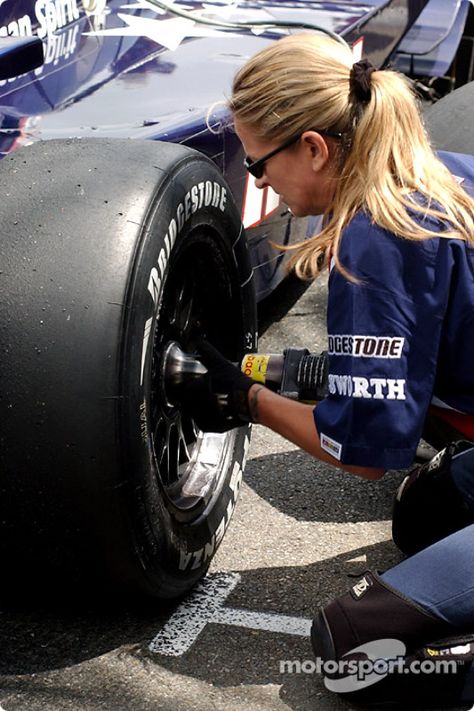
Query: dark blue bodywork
x: 431, y: 44
x: 121, y: 69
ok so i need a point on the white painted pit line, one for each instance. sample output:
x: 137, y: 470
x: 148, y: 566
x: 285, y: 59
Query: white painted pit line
x: 206, y: 605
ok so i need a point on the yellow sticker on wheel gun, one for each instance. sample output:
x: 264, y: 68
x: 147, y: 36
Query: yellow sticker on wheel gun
x: 255, y: 366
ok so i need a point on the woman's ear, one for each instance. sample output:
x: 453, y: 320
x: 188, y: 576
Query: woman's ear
x: 317, y: 148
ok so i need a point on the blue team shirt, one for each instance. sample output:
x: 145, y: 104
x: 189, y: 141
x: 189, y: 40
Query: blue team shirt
x: 400, y: 338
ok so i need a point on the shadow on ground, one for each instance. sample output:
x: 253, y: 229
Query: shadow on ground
x: 300, y: 486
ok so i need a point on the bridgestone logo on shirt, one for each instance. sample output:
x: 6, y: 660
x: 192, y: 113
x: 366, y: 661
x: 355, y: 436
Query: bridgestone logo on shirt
x: 369, y: 388
x: 366, y: 346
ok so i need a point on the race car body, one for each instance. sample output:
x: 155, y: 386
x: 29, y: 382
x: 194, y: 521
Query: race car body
x: 143, y: 70
x: 441, y: 34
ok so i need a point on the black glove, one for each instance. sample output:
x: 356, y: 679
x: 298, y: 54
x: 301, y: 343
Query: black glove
x: 218, y: 400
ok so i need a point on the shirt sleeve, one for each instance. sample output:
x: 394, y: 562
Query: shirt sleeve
x: 383, y: 340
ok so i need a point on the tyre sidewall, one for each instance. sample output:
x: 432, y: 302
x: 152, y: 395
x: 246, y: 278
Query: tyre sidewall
x: 173, y: 551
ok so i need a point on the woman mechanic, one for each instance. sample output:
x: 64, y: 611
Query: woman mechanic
x: 345, y: 140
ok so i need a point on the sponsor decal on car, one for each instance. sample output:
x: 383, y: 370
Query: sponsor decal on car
x: 55, y: 23
x: 49, y: 15
x: 169, y: 32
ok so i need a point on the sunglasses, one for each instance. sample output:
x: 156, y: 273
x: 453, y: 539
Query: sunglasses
x: 256, y: 167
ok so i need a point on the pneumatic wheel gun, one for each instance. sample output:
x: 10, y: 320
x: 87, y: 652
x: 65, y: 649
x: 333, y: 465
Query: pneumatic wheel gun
x: 296, y: 373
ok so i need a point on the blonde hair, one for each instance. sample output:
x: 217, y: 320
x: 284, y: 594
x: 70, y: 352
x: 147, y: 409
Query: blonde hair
x: 386, y: 163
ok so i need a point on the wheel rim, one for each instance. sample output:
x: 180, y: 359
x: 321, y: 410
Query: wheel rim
x: 197, y: 294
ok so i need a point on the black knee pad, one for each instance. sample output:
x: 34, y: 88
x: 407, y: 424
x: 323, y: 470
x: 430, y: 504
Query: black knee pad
x: 428, y: 505
x: 374, y: 622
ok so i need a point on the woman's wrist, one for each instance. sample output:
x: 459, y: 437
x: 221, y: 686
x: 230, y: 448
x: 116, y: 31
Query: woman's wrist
x: 253, y: 394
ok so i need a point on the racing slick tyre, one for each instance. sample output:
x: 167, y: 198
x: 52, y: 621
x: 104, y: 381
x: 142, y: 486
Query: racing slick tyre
x: 449, y: 121
x: 111, y: 249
